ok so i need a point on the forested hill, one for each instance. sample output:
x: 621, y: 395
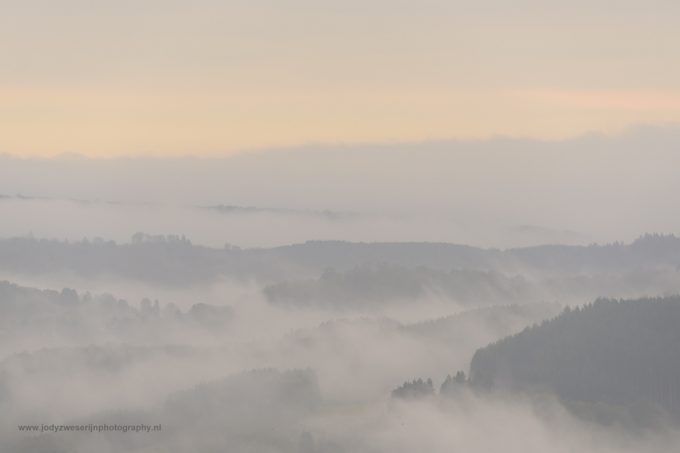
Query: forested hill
x: 620, y: 352
x: 648, y: 251
x: 175, y: 260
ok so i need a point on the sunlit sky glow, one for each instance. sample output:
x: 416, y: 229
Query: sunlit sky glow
x: 211, y: 77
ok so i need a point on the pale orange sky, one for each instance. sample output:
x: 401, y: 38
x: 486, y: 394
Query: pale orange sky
x: 213, y: 77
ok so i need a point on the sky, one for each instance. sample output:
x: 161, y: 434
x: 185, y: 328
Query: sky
x: 208, y: 77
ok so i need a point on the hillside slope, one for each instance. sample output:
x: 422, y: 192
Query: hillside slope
x: 617, y: 352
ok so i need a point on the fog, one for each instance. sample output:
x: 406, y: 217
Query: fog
x: 266, y: 378
x: 396, y: 298
x: 243, y: 226
x: 498, y: 193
